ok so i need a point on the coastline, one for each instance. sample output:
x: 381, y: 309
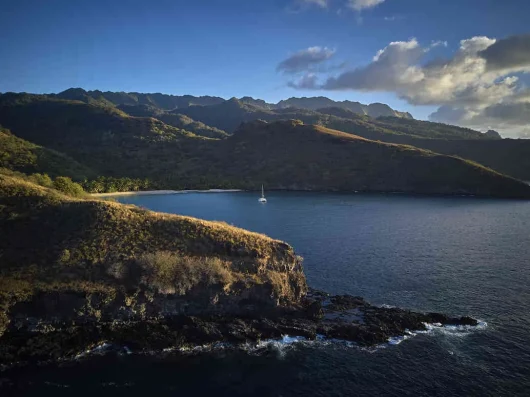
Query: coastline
x: 377, y: 192
x: 159, y: 192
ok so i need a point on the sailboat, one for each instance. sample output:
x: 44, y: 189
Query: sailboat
x: 262, y: 199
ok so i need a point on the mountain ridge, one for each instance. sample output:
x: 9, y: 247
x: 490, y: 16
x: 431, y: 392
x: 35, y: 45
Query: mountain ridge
x: 170, y: 102
x: 115, y: 144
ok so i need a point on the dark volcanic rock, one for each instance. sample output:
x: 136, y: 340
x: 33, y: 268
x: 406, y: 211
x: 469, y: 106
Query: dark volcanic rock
x: 343, y: 317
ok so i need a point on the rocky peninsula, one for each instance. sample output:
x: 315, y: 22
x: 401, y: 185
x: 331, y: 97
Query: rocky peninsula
x: 77, y: 273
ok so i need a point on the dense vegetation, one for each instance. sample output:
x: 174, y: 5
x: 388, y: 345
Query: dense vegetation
x: 107, y: 140
x: 20, y: 155
x: 230, y: 114
x: 110, y: 185
x: 62, y: 184
x: 373, y: 110
x: 115, y: 151
x: 161, y: 101
x: 509, y: 156
x: 174, y: 119
x: 291, y: 155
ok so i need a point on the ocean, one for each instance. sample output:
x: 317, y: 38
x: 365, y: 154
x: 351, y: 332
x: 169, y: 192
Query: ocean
x: 457, y: 255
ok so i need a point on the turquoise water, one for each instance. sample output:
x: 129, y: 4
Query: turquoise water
x: 462, y: 256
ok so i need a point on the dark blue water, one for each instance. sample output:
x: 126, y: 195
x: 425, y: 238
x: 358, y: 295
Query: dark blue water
x: 461, y: 256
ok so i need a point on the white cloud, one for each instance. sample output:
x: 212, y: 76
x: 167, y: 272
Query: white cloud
x: 306, y: 82
x: 477, y: 86
x: 319, y: 3
x: 304, y: 60
x: 359, y: 5
x: 438, y: 43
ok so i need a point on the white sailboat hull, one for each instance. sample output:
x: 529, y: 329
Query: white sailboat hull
x: 262, y: 199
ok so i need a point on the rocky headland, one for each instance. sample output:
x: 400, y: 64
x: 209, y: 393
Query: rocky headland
x: 77, y: 273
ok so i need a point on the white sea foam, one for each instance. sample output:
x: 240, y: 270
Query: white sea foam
x: 290, y: 342
x: 100, y: 349
x: 396, y: 340
x: 439, y: 329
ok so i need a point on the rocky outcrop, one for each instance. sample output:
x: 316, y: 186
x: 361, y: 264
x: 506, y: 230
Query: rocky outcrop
x: 32, y: 338
x: 76, y: 273
x: 87, y: 260
x: 493, y: 134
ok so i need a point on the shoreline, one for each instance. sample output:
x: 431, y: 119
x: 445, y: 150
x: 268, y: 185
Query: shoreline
x: 359, y: 192
x: 318, y: 317
x: 160, y: 192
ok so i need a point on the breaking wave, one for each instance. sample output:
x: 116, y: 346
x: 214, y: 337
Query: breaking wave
x: 289, y: 342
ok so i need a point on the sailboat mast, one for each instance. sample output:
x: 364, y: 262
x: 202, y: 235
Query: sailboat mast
x: 262, y: 192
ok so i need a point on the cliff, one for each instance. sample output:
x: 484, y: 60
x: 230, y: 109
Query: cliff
x: 77, y: 273
x: 81, y: 261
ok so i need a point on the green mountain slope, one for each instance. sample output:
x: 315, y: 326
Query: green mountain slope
x: 230, y: 114
x: 509, y: 156
x: 111, y: 143
x: 161, y: 101
x: 104, y: 139
x: 174, y: 119
x: 227, y: 115
x: 373, y: 110
x: 19, y: 155
x: 290, y: 155
x: 427, y: 129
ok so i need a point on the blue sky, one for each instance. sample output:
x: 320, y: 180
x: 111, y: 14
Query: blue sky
x: 231, y: 47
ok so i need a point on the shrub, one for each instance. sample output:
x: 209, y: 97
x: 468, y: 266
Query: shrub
x: 41, y: 179
x: 68, y: 187
x: 170, y: 273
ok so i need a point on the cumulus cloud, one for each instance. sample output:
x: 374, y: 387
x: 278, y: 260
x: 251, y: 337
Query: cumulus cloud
x: 390, y: 68
x: 478, y: 86
x: 509, y: 53
x: 512, y: 115
x: 304, y: 60
x: 359, y: 5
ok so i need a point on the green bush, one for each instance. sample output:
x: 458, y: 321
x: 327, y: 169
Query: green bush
x: 110, y: 184
x: 67, y: 186
x: 41, y: 179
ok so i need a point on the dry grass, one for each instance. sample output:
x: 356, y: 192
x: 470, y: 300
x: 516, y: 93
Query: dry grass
x: 170, y: 273
x: 52, y: 242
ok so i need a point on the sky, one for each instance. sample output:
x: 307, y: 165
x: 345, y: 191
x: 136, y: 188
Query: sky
x: 462, y: 62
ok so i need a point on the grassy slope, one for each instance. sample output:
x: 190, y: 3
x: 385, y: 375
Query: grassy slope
x: 509, y: 156
x: 229, y: 115
x: 52, y: 242
x: 23, y: 156
x: 107, y: 140
x: 114, y: 144
x: 426, y: 129
x: 174, y: 119
x: 290, y: 155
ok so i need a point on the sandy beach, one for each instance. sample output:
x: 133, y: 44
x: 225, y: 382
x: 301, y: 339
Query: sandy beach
x: 155, y: 192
